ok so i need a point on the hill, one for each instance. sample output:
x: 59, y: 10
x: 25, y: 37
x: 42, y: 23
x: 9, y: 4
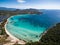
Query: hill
x: 8, y: 9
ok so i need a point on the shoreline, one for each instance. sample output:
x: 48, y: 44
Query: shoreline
x: 14, y: 39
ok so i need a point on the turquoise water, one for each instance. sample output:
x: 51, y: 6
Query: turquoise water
x: 30, y: 27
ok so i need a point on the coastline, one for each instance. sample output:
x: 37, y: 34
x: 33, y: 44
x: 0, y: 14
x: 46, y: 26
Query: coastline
x: 14, y: 39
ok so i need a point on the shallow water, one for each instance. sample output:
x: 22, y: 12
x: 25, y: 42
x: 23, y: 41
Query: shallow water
x: 29, y: 27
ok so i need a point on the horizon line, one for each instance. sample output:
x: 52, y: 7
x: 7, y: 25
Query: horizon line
x: 33, y: 8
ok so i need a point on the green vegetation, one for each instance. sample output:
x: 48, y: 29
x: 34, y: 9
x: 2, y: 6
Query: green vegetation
x: 52, y: 36
x: 3, y: 35
x: 2, y: 29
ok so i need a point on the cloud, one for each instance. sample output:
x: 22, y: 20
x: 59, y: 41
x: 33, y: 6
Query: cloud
x: 21, y: 1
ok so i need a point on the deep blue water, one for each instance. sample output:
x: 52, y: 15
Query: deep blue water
x: 29, y: 27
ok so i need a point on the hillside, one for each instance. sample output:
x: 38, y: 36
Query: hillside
x: 12, y: 11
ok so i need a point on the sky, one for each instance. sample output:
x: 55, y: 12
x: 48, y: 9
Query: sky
x: 38, y: 4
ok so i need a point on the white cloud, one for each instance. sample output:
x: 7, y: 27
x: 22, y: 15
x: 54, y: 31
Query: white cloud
x: 21, y: 1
